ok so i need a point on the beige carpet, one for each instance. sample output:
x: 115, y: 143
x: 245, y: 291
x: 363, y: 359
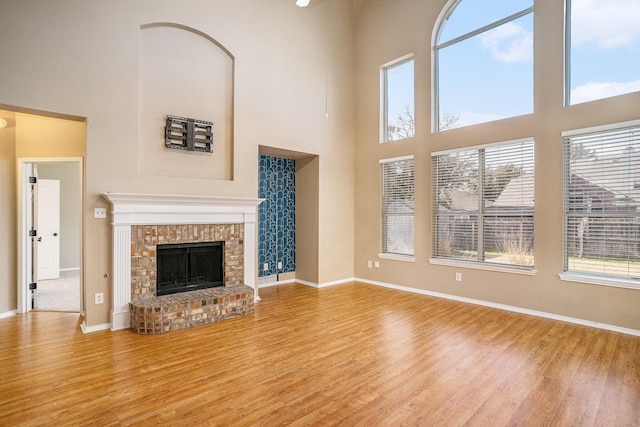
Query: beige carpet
x: 61, y: 294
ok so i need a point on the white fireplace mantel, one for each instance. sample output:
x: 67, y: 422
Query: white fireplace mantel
x: 160, y: 209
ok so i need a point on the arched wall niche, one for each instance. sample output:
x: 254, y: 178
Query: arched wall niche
x: 186, y: 73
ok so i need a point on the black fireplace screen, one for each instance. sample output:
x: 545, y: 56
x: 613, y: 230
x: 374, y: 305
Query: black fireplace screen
x: 189, y: 266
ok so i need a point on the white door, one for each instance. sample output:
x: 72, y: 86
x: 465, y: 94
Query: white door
x: 48, y: 226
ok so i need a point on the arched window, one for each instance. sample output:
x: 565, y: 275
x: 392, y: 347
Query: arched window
x: 603, y: 49
x: 483, y: 64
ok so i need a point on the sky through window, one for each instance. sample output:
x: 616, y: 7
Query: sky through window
x: 605, y: 49
x: 485, y: 62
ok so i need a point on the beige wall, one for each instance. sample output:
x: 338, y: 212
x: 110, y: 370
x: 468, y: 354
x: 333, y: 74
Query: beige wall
x: 388, y: 29
x: 307, y: 218
x: 292, y: 65
x: 39, y: 136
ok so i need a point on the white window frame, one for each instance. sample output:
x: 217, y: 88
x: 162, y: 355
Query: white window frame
x: 384, y: 111
x: 479, y: 264
x: 437, y: 46
x: 392, y: 255
x: 580, y: 276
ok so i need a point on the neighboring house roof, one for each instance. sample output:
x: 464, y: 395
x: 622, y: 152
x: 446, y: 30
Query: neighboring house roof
x: 400, y: 207
x: 622, y: 179
x: 518, y: 193
x: 462, y: 200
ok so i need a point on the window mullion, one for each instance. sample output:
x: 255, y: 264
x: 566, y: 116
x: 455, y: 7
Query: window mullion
x: 481, y: 204
x: 486, y: 28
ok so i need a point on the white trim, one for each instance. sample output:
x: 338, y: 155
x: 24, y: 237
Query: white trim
x: 396, y: 159
x: 70, y: 269
x: 484, y: 29
x: 395, y: 257
x: 306, y: 283
x: 483, y: 266
x: 25, y: 169
x: 601, y: 128
x: 601, y: 281
x: 398, y: 61
x: 88, y: 329
x: 326, y: 284
x: 444, y: 14
x: 483, y: 146
x: 514, y: 309
x: 121, y: 277
x: 8, y: 314
x: 279, y: 282
x: 160, y: 209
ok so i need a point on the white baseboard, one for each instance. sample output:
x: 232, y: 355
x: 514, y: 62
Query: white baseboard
x: 8, y: 314
x: 88, y: 329
x: 279, y: 282
x: 515, y: 309
x: 325, y: 284
x: 70, y: 269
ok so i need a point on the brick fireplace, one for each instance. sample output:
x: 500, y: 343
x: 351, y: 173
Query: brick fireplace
x: 142, y: 221
x: 146, y: 238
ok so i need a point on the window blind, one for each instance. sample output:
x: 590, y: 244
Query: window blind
x: 397, y: 206
x: 602, y: 202
x: 484, y: 203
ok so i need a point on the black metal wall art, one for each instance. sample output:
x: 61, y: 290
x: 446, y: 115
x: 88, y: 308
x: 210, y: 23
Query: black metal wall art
x: 188, y: 134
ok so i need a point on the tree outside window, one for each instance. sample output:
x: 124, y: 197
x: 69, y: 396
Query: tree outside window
x: 398, y: 99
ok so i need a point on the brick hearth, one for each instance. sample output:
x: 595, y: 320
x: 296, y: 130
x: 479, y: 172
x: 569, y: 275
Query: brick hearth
x: 170, y: 313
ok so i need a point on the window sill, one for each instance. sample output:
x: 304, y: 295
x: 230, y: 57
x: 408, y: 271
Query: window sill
x: 405, y: 258
x: 602, y: 281
x: 481, y: 266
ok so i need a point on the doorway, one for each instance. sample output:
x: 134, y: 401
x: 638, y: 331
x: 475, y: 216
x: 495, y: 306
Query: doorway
x: 300, y: 234
x: 50, y: 230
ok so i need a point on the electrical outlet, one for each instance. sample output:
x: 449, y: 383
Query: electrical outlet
x: 458, y: 277
x: 377, y: 264
x: 265, y: 266
x: 99, y: 299
x: 279, y: 265
x: 369, y: 264
x: 100, y: 213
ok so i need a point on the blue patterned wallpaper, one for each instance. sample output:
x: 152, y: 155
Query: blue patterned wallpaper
x: 277, y: 215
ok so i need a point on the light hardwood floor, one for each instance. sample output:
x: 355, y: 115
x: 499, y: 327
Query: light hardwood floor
x: 351, y: 355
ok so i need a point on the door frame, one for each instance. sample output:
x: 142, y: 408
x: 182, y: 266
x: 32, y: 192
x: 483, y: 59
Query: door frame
x: 24, y: 169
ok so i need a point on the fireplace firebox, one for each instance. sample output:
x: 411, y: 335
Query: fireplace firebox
x: 189, y: 266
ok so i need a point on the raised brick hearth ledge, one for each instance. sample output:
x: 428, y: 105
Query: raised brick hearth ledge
x: 173, y: 312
